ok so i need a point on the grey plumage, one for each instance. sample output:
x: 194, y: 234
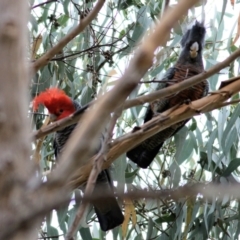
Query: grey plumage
x: 108, y: 212
x: 188, y: 64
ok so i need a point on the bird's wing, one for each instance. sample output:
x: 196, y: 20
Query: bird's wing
x: 159, y: 106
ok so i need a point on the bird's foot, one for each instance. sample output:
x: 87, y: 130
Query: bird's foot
x: 136, y: 128
x: 156, y: 114
x: 160, y: 116
x: 157, y: 118
x: 187, y: 101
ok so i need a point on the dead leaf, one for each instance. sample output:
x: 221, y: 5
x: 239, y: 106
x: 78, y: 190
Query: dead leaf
x: 129, y: 210
x: 190, y: 204
x: 238, y: 31
x: 35, y: 46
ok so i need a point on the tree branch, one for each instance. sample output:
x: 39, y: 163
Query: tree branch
x: 43, y: 3
x: 157, y: 124
x: 16, y: 169
x: 96, y: 169
x: 162, y: 93
x: 143, y: 99
x: 44, y: 60
x: 208, y: 191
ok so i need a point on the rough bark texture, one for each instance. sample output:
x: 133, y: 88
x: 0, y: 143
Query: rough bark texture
x: 14, y: 128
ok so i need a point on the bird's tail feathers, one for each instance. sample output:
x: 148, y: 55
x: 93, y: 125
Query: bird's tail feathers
x: 108, y: 212
x: 143, y: 157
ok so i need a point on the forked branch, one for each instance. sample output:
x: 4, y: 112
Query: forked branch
x: 44, y: 60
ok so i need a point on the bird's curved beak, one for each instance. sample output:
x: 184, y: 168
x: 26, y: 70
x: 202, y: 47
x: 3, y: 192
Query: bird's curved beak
x: 194, y: 50
x: 52, y: 117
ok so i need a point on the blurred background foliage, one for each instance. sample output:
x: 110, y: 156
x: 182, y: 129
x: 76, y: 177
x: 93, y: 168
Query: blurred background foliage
x: 205, y: 150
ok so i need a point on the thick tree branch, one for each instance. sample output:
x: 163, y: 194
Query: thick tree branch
x: 94, y: 120
x: 184, y: 84
x: 143, y: 99
x: 15, y: 165
x: 208, y: 191
x: 44, y: 60
x: 73, y: 118
x: 157, y: 124
x: 40, y: 206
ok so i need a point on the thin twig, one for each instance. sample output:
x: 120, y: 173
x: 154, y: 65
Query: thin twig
x: 43, y: 3
x: 112, y: 123
x: 58, y: 125
x: 161, y: 81
x: 80, y: 212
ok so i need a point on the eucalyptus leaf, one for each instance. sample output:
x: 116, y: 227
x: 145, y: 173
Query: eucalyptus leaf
x: 234, y: 164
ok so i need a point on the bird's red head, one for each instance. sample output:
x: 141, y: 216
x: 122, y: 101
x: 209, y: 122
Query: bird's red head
x: 56, y: 101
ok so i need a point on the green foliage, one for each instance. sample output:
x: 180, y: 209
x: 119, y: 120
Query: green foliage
x: 205, y: 150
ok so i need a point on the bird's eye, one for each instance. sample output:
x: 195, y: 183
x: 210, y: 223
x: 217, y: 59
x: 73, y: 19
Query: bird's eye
x: 61, y: 110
